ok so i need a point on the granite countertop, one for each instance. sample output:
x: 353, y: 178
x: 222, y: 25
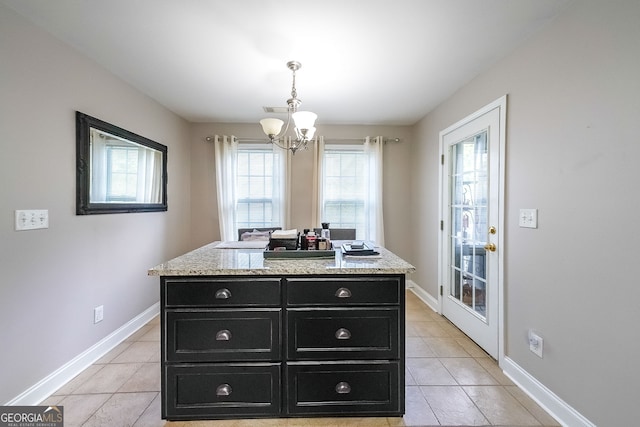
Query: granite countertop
x: 210, y: 261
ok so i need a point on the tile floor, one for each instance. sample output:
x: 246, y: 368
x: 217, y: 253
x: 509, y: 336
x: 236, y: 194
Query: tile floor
x: 449, y: 381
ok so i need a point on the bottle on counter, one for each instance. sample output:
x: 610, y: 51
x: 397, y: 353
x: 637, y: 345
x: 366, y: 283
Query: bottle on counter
x: 303, y: 240
x: 325, y: 233
x: 312, y: 243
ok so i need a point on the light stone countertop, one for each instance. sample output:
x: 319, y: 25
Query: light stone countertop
x: 210, y: 261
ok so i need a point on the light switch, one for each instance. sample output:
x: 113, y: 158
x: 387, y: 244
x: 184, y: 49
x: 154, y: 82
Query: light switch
x: 32, y: 219
x: 528, y: 218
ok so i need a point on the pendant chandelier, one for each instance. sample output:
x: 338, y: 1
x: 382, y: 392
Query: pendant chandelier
x: 303, y: 120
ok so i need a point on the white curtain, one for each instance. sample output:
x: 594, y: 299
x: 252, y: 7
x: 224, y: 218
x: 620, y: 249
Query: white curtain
x: 98, y: 188
x: 226, y: 161
x: 149, y: 173
x: 282, y: 185
x: 317, y: 207
x: 374, y: 230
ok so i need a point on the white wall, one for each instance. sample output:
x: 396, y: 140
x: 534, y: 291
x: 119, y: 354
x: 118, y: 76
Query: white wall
x: 52, y: 278
x: 572, y: 152
x: 396, y: 191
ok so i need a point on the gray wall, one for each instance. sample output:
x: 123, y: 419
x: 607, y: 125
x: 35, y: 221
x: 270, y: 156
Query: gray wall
x: 52, y: 278
x: 572, y: 152
x: 395, y: 192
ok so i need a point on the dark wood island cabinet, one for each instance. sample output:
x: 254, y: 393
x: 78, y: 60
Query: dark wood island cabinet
x: 270, y: 339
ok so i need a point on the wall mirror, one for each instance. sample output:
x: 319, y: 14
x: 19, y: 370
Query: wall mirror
x: 117, y: 171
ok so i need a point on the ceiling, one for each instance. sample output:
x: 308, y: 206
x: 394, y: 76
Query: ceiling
x: 363, y: 61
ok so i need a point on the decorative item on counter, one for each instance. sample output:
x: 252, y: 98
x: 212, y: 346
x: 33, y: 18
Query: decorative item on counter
x: 311, y: 241
x: 322, y: 244
x: 325, y: 233
x: 303, y: 239
x: 284, y: 240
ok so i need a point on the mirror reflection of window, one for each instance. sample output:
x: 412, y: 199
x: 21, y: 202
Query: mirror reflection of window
x: 123, y: 171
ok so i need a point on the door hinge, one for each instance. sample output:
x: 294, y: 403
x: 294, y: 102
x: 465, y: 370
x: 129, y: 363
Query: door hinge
x: 441, y: 290
x: 442, y: 159
x: 441, y: 225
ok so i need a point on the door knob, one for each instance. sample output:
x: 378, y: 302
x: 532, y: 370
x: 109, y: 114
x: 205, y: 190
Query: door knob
x: 491, y: 247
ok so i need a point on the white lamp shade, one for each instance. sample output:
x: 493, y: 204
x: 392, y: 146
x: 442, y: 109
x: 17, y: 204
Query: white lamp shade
x: 271, y: 126
x: 304, y: 119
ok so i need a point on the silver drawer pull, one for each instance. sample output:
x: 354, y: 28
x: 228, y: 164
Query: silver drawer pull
x: 223, y: 390
x: 223, y: 335
x: 343, y: 334
x: 223, y: 293
x: 343, y: 387
x: 343, y: 293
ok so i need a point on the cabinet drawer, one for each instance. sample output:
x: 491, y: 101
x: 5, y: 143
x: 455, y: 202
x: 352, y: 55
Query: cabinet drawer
x: 230, y: 335
x: 205, y: 390
x: 354, y: 333
x: 344, y: 291
x: 190, y: 292
x: 353, y: 388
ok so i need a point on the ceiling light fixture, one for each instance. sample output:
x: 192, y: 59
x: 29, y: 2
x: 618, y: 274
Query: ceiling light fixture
x: 304, y: 120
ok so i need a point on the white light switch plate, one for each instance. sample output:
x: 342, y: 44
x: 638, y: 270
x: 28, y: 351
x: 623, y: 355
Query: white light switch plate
x: 528, y: 218
x: 32, y: 219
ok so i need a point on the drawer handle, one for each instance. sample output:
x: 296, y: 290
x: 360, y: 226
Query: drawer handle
x: 223, y: 293
x: 343, y: 387
x: 223, y: 390
x: 343, y: 334
x: 223, y: 335
x: 343, y: 293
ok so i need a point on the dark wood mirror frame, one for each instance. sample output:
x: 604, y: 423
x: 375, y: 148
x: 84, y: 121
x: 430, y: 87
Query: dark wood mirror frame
x: 84, y: 204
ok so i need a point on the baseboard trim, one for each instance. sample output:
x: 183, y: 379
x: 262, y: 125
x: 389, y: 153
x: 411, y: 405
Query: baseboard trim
x: 423, y: 295
x: 558, y: 408
x: 52, y: 382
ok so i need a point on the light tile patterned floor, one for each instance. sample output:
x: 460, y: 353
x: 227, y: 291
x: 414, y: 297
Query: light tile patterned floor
x: 449, y: 381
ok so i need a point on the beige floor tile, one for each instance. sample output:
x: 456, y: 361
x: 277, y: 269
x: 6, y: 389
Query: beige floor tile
x: 151, y: 417
x: 115, y: 352
x: 446, y: 347
x: 429, y: 371
x: 417, y: 316
x: 122, y: 409
x: 492, y: 367
x: 451, y: 330
x: 467, y: 371
x: 500, y: 407
x: 140, y: 333
x: 147, y: 378
x: 471, y: 347
x: 335, y: 422
x: 452, y: 406
x: 430, y: 329
x: 417, y: 410
x: 152, y: 335
x: 78, y: 408
x: 417, y: 347
x: 408, y: 378
x: 139, y: 351
x: 109, y: 379
x: 541, y: 415
x: 78, y: 380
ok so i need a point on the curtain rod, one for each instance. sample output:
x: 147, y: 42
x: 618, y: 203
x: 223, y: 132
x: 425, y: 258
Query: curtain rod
x: 384, y: 140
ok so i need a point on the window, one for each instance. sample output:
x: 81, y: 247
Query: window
x: 344, y: 187
x: 122, y: 173
x: 260, y: 187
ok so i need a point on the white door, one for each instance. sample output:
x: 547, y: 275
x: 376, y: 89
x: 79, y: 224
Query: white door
x: 472, y: 186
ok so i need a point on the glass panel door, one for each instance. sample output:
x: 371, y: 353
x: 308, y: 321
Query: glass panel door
x: 469, y: 228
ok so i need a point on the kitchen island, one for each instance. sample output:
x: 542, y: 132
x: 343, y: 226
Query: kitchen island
x: 249, y: 337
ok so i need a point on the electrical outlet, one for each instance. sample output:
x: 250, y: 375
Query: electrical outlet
x: 528, y: 218
x: 536, y: 343
x: 98, y: 314
x: 32, y: 219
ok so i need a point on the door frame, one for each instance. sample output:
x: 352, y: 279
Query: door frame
x: 501, y: 104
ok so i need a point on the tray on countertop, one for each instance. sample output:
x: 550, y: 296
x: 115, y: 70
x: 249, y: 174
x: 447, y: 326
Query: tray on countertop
x: 299, y: 253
